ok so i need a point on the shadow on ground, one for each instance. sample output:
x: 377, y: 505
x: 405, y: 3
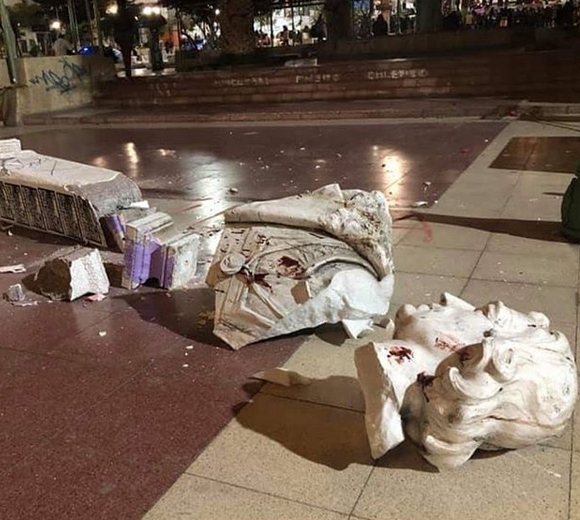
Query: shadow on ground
x: 536, y: 230
x: 186, y: 312
x: 310, y: 432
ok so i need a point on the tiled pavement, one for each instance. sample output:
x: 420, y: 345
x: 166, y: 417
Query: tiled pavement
x: 301, y: 452
x: 100, y: 427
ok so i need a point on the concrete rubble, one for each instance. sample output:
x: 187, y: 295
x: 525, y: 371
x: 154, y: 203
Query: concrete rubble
x: 73, y: 275
x: 155, y: 249
x: 116, y: 224
x: 14, y: 269
x: 299, y: 262
x: 58, y: 196
x: 15, y: 293
x: 456, y: 379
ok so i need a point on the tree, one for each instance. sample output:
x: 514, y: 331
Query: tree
x: 29, y: 15
x: 234, y: 17
x: 339, y: 15
x: 236, y: 21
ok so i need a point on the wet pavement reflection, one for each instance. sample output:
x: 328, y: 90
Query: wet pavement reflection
x: 197, y: 163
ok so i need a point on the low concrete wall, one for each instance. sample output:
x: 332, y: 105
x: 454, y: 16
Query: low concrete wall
x: 428, y: 43
x: 52, y: 84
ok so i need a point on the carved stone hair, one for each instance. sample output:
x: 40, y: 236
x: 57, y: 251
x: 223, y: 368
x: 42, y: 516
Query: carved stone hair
x: 505, y: 392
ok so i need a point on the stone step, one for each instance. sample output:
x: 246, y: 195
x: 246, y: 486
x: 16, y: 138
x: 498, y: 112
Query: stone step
x: 513, y: 74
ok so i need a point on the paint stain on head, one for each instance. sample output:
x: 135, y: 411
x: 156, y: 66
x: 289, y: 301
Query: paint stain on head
x: 400, y: 354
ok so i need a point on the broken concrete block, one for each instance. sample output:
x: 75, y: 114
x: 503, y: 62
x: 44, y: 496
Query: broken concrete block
x: 461, y: 379
x: 154, y: 249
x: 59, y: 196
x: 73, y: 275
x: 300, y: 262
x: 116, y: 224
x: 15, y: 293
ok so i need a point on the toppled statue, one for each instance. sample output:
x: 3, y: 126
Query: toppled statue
x: 458, y: 379
x: 302, y: 261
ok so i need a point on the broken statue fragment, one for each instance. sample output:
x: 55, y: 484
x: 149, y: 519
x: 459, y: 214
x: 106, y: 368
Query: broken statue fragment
x: 457, y: 379
x: 73, y: 275
x: 302, y: 261
x: 58, y: 196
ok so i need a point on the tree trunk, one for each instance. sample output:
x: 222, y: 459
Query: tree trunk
x: 237, y: 26
x: 428, y: 15
x: 339, y: 16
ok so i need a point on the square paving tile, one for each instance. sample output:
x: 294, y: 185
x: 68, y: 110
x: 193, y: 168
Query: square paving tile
x: 533, y: 184
x: 473, y: 205
x: 558, y: 303
x: 433, y: 261
x: 39, y: 396
x: 540, y: 153
x: 538, y: 207
x: 531, y: 484
x: 331, y: 370
x: 301, y: 451
x: 548, y: 270
x: 557, y: 247
x: 446, y: 236
x: 575, y: 487
x: 70, y: 482
x: 38, y: 329
x: 423, y: 288
x: 194, y: 498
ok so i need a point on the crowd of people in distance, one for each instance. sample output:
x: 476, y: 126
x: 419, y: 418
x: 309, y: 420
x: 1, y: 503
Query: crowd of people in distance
x: 536, y: 14
x: 486, y: 15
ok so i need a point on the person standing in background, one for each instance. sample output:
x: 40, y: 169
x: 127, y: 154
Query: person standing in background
x: 124, y: 31
x: 61, y: 46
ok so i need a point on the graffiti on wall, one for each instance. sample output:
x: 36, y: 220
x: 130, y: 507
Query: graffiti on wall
x: 62, y: 81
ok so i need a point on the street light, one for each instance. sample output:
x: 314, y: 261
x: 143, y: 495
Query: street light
x: 55, y: 25
x: 151, y: 10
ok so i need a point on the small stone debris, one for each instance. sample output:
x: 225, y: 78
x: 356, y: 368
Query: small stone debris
x: 95, y: 298
x: 15, y: 293
x: 420, y: 204
x: 103, y: 333
x: 185, y: 365
x: 427, y: 184
x: 234, y: 190
x: 9, y: 233
x: 189, y: 347
x: 16, y: 269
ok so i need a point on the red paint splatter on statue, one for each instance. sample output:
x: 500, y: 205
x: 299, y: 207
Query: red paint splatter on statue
x: 400, y: 354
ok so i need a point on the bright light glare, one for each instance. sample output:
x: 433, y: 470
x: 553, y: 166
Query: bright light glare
x: 151, y: 10
x: 393, y: 166
x: 55, y: 25
x: 113, y: 9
